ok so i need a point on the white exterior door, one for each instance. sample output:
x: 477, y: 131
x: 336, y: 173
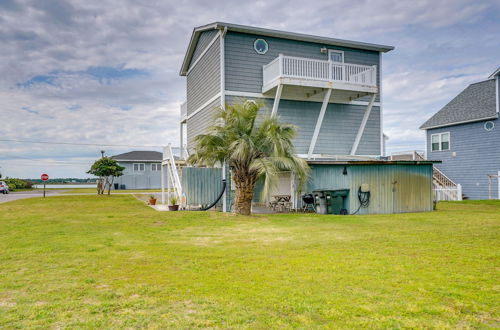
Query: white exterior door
x: 337, y: 59
x: 336, y: 56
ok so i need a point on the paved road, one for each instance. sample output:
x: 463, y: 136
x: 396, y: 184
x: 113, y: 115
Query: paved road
x: 25, y: 194
x: 39, y: 193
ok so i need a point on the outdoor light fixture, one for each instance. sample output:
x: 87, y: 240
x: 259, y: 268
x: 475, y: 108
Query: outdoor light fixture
x: 323, y: 50
x: 344, y: 171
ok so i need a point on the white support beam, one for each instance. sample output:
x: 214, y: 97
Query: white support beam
x: 182, y: 142
x: 277, y: 98
x: 169, y: 186
x: 361, y: 129
x: 498, y: 96
x: 222, y: 45
x: 322, y: 112
x: 162, y: 185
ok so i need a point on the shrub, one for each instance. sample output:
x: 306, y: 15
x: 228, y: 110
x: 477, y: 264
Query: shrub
x: 14, y: 184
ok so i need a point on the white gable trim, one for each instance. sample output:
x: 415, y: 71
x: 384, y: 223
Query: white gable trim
x: 461, y: 122
x: 497, y: 91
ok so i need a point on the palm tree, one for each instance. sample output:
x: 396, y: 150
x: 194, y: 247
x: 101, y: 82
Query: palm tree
x: 252, y: 148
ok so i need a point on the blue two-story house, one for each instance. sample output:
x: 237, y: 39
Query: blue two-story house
x: 142, y: 170
x: 329, y: 88
x: 465, y: 136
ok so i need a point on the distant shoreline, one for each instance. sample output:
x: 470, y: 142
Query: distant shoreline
x: 65, y: 185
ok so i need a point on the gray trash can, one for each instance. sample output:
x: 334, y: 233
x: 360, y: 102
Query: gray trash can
x: 320, y: 202
x: 331, y: 201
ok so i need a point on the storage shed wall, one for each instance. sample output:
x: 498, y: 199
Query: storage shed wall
x: 393, y: 188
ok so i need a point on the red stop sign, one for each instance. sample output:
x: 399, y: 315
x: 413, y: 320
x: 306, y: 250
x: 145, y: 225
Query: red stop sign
x: 44, y: 177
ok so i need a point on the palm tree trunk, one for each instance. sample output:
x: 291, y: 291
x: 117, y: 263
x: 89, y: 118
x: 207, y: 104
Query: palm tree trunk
x: 243, y: 198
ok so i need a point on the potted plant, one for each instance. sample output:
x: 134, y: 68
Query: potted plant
x: 174, y: 206
x: 152, y: 200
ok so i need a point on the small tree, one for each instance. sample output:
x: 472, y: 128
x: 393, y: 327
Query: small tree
x: 106, y: 169
x: 252, y: 150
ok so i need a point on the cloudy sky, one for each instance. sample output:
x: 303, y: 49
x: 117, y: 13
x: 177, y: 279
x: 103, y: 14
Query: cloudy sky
x: 106, y: 72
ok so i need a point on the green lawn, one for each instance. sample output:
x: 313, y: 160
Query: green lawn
x: 112, y: 262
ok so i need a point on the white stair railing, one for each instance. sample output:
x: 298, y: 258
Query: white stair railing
x: 174, y: 178
x: 445, y: 189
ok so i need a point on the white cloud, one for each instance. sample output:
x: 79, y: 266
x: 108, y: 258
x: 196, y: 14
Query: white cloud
x: 441, y: 46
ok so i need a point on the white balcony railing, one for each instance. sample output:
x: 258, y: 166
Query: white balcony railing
x: 327, y: 71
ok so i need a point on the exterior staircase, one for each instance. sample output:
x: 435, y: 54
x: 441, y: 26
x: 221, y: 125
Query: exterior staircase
x: 173, y: 177
x: 445, y: 189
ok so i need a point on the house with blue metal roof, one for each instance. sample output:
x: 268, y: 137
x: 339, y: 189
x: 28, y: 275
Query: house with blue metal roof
x: 330, y: 89
x: 465, y: 136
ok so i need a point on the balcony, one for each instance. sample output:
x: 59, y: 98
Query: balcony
x: 306, y: 78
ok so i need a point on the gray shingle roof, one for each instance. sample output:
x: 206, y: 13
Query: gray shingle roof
x: 140, y: 155
x: 476, y: 102
x: 274, y: 33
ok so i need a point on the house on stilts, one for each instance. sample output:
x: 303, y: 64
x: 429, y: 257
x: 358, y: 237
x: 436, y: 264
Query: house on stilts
x: 331, y: 89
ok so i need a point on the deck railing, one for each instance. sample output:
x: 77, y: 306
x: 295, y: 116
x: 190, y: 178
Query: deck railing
x: 452, y: 193
x: 328, y: 71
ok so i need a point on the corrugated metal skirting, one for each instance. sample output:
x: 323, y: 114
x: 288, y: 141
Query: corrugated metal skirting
x: 201, y: 185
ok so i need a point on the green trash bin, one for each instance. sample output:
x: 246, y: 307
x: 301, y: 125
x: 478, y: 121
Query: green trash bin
x: 331, y: 201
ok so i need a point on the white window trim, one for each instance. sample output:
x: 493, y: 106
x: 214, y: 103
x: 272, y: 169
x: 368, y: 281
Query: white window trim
x: 155, y: 167
x: 440, y: 141
x: 139, y: 167
x: 336, y: 51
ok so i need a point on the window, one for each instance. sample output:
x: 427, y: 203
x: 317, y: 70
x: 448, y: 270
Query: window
x: 445, y: 141
x: 260, y: 46
x: 489, y: 125
x: 435, y: 142
x: 336, y: 56
x: 440, y: 141
x: 155, y: 167
x: 139, y: 167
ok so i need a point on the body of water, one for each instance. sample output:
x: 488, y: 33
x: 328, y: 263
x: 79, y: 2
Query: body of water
x: 66, y: 186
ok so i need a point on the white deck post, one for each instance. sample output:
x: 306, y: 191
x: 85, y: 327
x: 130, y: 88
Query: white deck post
x: 498, y: 178
x: 321, y: 115
x: 459, y: 192
x: 168, y: 185
x: 277, y: 98
x: 162, y: 184
x: 362, y: 126
x: 182, y: 141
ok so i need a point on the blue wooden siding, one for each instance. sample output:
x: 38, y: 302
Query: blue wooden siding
x: 244, y: 66
x: 205, y: 38
x: 203, y: 81
x: 394, y: 188
x: 201, y: 185
x: 339, y: 128
x: 198, y: 123
x: 139, y: 180
x: 474, y: 153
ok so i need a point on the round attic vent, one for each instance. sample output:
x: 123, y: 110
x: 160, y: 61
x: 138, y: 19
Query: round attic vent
x: 489, y: 125
x: 260, y: 46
